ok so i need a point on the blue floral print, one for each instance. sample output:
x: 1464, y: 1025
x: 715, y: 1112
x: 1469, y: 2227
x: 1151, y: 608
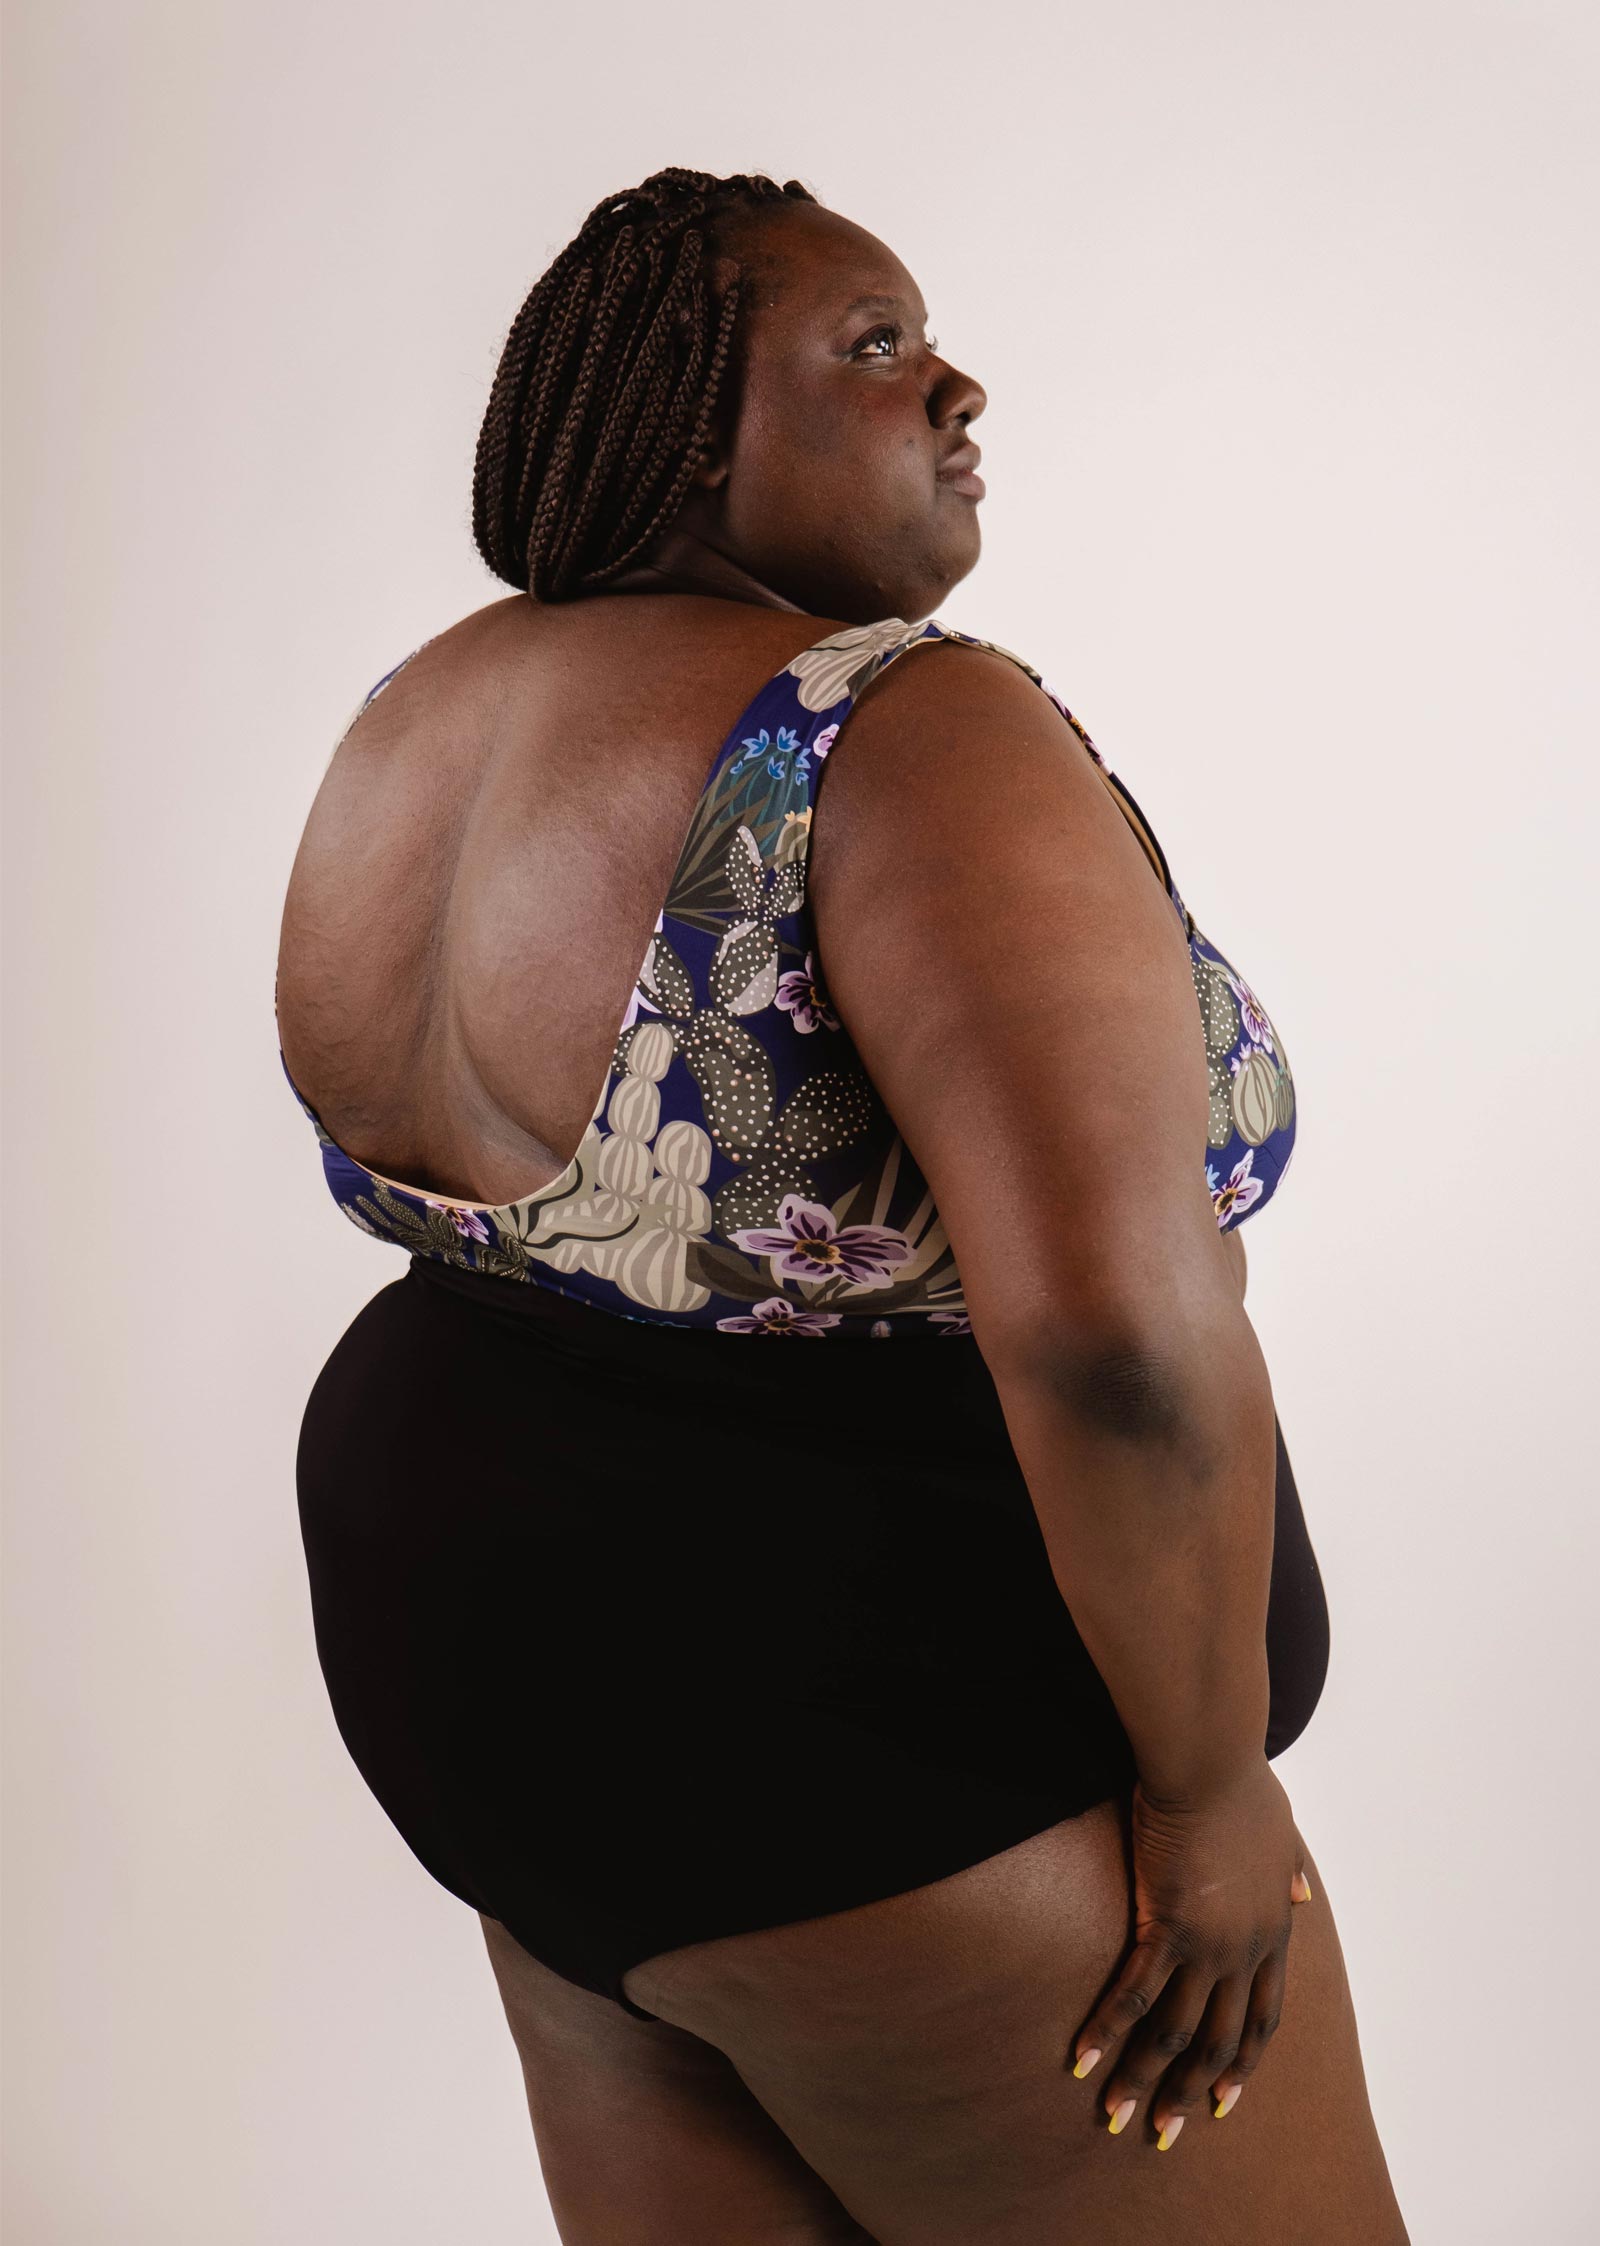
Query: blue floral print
x: 788, y: 744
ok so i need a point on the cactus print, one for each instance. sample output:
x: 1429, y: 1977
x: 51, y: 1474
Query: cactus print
x: 740, y: 1171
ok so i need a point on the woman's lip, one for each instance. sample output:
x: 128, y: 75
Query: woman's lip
x: 966, y: 480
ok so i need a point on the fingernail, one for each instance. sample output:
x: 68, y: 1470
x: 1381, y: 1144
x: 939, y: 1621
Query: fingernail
x: 1167, y: 2134
x: 1122, y: 2113
x: 1226, y: 2105
x: 1306, y: 1884
x: 1086, y: 2064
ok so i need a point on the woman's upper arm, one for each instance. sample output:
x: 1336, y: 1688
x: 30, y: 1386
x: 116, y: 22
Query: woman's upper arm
x: 1017, y: 983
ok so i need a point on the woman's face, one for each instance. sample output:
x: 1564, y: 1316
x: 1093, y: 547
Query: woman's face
x: 829, y: 490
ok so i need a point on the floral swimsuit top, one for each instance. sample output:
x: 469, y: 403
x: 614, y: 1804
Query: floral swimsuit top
x: 740, y: 1171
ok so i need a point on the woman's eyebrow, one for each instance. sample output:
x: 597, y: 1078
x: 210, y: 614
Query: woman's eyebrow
x: 878, y: 303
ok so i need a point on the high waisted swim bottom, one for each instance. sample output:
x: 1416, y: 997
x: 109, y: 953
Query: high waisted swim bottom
x: 642, y: 1635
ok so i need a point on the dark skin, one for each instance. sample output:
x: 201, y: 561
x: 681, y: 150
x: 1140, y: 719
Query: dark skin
x: 839, y: 423
x: 566, y: 746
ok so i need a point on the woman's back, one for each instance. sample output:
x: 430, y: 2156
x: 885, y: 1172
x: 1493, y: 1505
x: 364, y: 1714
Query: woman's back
x: 453, y: 1031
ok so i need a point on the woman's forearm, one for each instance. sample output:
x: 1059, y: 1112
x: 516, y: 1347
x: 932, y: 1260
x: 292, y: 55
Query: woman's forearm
x: 1153, y: 1474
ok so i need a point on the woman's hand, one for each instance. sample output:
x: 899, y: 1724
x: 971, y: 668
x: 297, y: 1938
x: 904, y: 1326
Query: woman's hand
x: 1202, y: 1985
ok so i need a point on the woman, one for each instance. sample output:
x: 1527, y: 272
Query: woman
x: 860, y: 1759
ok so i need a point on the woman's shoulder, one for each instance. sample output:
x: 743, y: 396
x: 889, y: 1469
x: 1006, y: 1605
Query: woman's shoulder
x: 960, y: 741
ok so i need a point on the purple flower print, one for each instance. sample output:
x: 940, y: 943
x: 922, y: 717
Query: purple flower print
x: 775, y: 1316
x: 1252, y: 1013
x: 824, y: 742
x: 809, y: 1245
x: 800, y: 993
x: 466, y: 1221
x: 953, y: 1321
x: 1240, y: 1192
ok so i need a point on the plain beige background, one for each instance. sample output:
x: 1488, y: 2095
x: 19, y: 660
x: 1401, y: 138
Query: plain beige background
x: 1287, y: 317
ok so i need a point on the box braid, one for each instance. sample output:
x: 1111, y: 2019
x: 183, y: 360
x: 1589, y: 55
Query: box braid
x: 603, y: 398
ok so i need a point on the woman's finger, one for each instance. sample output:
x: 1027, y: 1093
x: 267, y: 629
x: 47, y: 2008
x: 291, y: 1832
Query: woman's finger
x: 1155, y: 2043
x: 1260, y: 2026
x: 1144, y: 1974
x: 1299, y: 1886
x: 1208, y: 2058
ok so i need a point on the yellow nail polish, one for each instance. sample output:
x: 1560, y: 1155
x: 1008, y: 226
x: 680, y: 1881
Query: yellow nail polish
x: 1121, y: 2115
x: 1090, y: 2060
x: 1169, y: 2134
x: 1226, y: 2104
x: 1307, y: 1885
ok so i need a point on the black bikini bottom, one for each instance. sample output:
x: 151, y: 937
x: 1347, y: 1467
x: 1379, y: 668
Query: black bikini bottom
x: 643, y: 1634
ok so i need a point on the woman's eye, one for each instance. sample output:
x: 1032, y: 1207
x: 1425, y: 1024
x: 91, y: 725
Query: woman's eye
x: 896, y: 333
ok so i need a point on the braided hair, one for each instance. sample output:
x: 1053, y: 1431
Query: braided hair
x: 602, y: 404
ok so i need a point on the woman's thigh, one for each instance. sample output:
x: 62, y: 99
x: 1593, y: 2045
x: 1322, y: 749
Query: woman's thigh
x: 918, y: 2053
x: 646, y: 2135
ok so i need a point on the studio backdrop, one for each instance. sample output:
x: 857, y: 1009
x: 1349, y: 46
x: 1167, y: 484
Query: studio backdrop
x: 1287, y: 322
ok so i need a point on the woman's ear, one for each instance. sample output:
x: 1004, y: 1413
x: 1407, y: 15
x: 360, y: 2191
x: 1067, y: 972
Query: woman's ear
x: 713, y: 468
